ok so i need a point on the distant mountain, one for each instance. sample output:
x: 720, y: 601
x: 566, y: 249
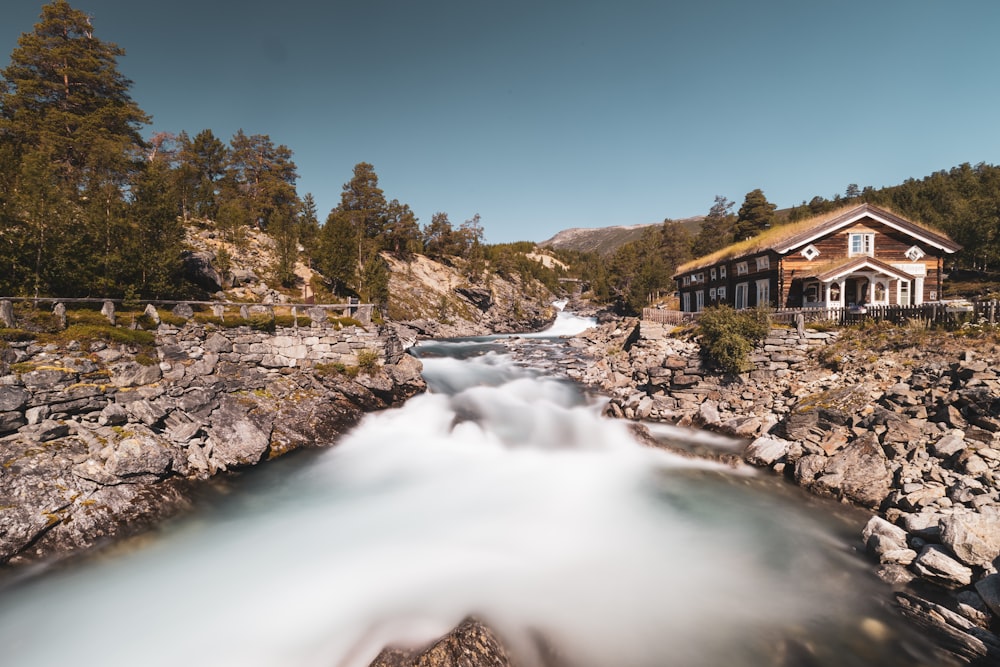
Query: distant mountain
x: 605, y: 240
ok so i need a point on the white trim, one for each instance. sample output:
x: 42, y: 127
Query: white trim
x: 898, y: 273
x: 915, y: 269
x: 851, y: 220
x: 763, y: 291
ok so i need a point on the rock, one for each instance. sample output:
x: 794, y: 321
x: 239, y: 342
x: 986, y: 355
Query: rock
x: 13, y: 398
x: 989, y: 590
x: 152, y: 313
x: 132, y: 374
x: 11, y: 421
x: 934, y: 564
x: 113, y: 414
x: 708, y: 413
x: 7, y: 318
x: 139, y: 459
x: 237, y: 440
x: 973, y: 537
x: 880, y: 536
x: 766, y: 450
x: 859, y: 472
x: 471, y: 644
x: 199, y: 269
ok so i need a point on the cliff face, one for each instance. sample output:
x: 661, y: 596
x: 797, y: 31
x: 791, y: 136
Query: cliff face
x: 437, y: 300
x: 98, y: 441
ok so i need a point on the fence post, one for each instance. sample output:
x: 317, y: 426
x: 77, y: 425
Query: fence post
x: 108, y: 310
x: 59, y: 310
x: 7, y: 314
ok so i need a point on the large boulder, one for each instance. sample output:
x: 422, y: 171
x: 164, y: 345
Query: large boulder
x: 199, y: 269
x: 471, y: 643
x: 973, y: 537
x: 237, y: 438
x: 859, y: 472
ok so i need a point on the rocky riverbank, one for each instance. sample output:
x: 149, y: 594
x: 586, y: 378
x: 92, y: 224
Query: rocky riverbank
x: 101, y: 440
x: 904, y: 422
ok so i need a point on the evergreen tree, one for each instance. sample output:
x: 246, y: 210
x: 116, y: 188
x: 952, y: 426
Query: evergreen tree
x: 262, y: 175
x: 716, y: 229
x: 155, y: 247
x: 402, y: 233
x: 202, y: 166
x: 755, y: 215
x: 284, y: 229
x: 308, y: 227
x: 337, y: 259
x: 440, y: 239
x: 62, y: 97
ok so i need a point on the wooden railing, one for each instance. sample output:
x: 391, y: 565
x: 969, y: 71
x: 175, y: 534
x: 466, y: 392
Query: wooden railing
x: 952, y: 313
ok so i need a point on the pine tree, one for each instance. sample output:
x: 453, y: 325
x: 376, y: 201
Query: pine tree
x: 156, y: 244
x: 62, y: 99
x: 755, y: 215
x: 716, y: 229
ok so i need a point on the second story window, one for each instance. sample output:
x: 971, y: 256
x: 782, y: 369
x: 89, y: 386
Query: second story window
x: 741, y: 269
x: 763, y: 263
x: 862, y: 244
x: 722, y: 271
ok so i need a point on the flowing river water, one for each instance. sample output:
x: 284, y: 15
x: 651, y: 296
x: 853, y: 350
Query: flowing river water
x: 503, y: 493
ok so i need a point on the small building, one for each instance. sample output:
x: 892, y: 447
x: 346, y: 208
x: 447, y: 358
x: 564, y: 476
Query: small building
x: 858, y: 256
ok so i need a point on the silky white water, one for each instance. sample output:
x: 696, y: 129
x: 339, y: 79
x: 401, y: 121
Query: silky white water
x: 499, y: 493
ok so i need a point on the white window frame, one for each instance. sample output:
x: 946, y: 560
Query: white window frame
x: 712, y: 273
x: 711, y: 294
x: 722, y: 271
x: 764, y: 292
x: 860, y: 244
x: 915, y: 254
x: 699, y: 301
x: 763, y: 263
x: 720, y: 294
x: 742, y: 269
x: 903, y: 293
x: 742, y: 292
x: 810, y: 252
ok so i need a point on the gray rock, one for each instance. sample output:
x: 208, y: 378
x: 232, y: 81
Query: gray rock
x: 766, y: 450
x: 199, y: 269
x: 859, y: 472
x: 145, y: 412
x: 132, y: 374
x: 113, y: 414
x: 936, y: 565
x: 218, y: 343
x: 880, y: 536
x: 989, y: 590
x: 11, y: 421
x: 973, y: 537
x: 13, y: 398
x: 152, y: 313
x: 237, y: 440
x: 139, y: 459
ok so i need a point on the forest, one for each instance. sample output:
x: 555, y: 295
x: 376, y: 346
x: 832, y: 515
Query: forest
x: 89, y: 206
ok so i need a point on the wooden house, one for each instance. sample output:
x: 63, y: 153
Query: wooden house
x: 863, y: 255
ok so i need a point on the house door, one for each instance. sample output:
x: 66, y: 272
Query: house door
x: 856, y: 291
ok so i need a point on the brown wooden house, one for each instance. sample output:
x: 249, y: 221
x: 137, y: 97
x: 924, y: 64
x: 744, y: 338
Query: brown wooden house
x: 863, y: 255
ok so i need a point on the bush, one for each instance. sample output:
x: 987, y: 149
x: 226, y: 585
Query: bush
x: 728, y: 336
x: 368, y: 361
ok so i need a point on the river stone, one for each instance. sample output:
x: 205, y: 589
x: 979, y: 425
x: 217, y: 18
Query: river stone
x: 766, y: 450
x: 471, y: 644
x: 880, y: 536
x: 974, y: 538
x: 934, y: 564
x: 858, y: 472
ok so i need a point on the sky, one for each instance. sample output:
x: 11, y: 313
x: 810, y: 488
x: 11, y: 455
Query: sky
x: 543, y: 115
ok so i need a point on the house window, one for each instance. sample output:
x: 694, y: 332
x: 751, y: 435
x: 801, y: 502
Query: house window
x: 835, y: 292
x: 713, y: 273
x: 811, y: 293
x: 711, y: 294
x: 763, y: 292
x: 862, y: 244
x: 810, y: 252
x: 699, y: 300
x: 741, y: 269
x: 721, y: 293
x: 914, y: 254
x: 904, y: 293
x: 687, y: 280
x: 722, y: 271
x: 763, y: 263
x: 741, y: 295
x: 686, y: 302
x: 700, y: 278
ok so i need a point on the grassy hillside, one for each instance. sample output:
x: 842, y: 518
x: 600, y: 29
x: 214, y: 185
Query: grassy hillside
x: 605, y: 240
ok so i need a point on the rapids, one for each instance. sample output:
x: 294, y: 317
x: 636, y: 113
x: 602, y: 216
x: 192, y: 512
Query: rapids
x: 502, y: 492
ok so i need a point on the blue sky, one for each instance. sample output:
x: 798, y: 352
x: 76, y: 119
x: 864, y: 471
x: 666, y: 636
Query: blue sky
x: 546, y: 115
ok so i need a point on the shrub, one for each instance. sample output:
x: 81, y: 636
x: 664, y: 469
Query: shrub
x: 368, y: 361
x: 728, y: 336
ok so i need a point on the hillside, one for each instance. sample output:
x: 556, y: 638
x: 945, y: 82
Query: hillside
x: 605, y: 240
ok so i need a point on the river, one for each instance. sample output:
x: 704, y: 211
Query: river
x: 502, y: 492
